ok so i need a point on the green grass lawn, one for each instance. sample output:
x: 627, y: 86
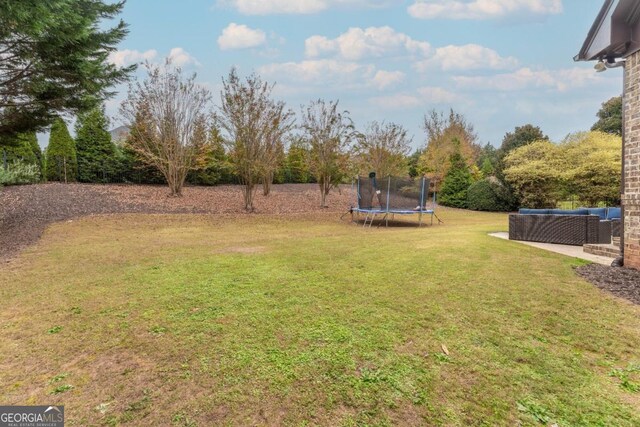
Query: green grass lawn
x: 191, y: 320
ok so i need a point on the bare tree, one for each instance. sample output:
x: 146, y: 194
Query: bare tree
x: 168, y: 119
x: 254, y: 126
x: 328, y: 134
x: 383, y: 148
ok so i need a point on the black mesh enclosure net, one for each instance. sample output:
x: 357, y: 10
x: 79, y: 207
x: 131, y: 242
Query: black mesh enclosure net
x: 389, y: 194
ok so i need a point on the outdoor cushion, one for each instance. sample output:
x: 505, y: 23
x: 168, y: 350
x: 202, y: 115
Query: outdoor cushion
x: 524, y: 211
x: 601, y: 212
x: 569, y: 212
x: 614, y: 213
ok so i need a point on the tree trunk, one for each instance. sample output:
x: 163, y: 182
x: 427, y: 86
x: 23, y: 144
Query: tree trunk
x: 248, y: 197
x: 324, y: 191
x: 266, y: 183
x: 174, y: 181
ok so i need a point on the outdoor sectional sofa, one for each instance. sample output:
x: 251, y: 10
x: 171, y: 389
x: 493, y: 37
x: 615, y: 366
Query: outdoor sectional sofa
x: 567, y: 227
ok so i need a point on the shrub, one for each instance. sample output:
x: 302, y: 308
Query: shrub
x: 19, y: 172
x: 489, y: 194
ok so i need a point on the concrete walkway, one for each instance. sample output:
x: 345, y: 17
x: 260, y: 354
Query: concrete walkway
x: 568, y: 250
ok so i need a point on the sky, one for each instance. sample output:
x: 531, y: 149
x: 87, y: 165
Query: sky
x: 501, y: 63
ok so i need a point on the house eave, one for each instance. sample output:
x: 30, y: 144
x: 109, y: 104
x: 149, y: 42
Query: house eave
x: 615, y: 32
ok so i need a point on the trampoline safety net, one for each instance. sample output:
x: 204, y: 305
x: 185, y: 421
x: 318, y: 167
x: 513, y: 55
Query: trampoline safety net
x: 392, y: 194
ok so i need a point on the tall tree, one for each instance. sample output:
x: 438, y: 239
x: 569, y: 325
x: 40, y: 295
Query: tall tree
x: 610, y: 117
x: 253, y: 124
x: 457, y: 180
x: 96, y: 152
x: 522, y: 135
x: 328, y: 133
x: 442, y: 133
x: 53, y: 59
x: 168, y: 118
x: 383, y: 149
x: 60, y: 156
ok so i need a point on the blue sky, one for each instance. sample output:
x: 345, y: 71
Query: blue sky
x: 502, y: 63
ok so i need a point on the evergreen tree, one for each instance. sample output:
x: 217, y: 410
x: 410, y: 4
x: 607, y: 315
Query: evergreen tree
x: 413, y: 162
x: 95, y: 152
x: 60, y: 158
x: 214, y: 166
x: 487, y: 168
x: 297, y: 163
x: 134, y: 169
x: 37, y: 151
x: 457, y: 180
x: 55, y: 59
x: 22, y: 149
x: 488, y: 160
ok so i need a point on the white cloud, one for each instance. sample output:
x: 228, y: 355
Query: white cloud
x: 482, y: 9
x: 384, y: 79
x: 179, y: 57
x: 438, y: 95
x: 400, y: 101
x: 358, y: 43
x: 267, y: 7
x: 467, y: 57
x: 426, y: 95
x: 325, y: 73
x: 319, y: 72
x: 124, y: 57
x: 526, y: 78
x: 236, y: 36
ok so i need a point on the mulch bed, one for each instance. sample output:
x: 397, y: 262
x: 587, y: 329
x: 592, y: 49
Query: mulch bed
x: 620, y: 281
x: 25, y: 211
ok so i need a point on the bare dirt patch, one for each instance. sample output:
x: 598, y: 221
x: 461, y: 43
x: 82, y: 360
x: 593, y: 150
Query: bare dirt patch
x: 25, y: 211
x: 622, y: 282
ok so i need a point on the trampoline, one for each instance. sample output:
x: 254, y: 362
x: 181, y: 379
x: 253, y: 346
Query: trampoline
x: 383, y: 198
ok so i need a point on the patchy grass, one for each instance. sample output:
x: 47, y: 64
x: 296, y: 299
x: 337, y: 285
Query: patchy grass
x: 187, y: 320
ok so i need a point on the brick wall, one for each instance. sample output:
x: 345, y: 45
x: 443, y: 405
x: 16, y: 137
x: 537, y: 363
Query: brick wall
x: 631, y: 195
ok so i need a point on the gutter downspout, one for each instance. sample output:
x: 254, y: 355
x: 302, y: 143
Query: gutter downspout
x: 619, y: 261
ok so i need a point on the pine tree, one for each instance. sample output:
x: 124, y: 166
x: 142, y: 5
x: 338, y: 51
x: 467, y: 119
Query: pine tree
x: 55, y: 59
x: 61, y: 162
x: 95, y: 151
x: 457, y: 181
